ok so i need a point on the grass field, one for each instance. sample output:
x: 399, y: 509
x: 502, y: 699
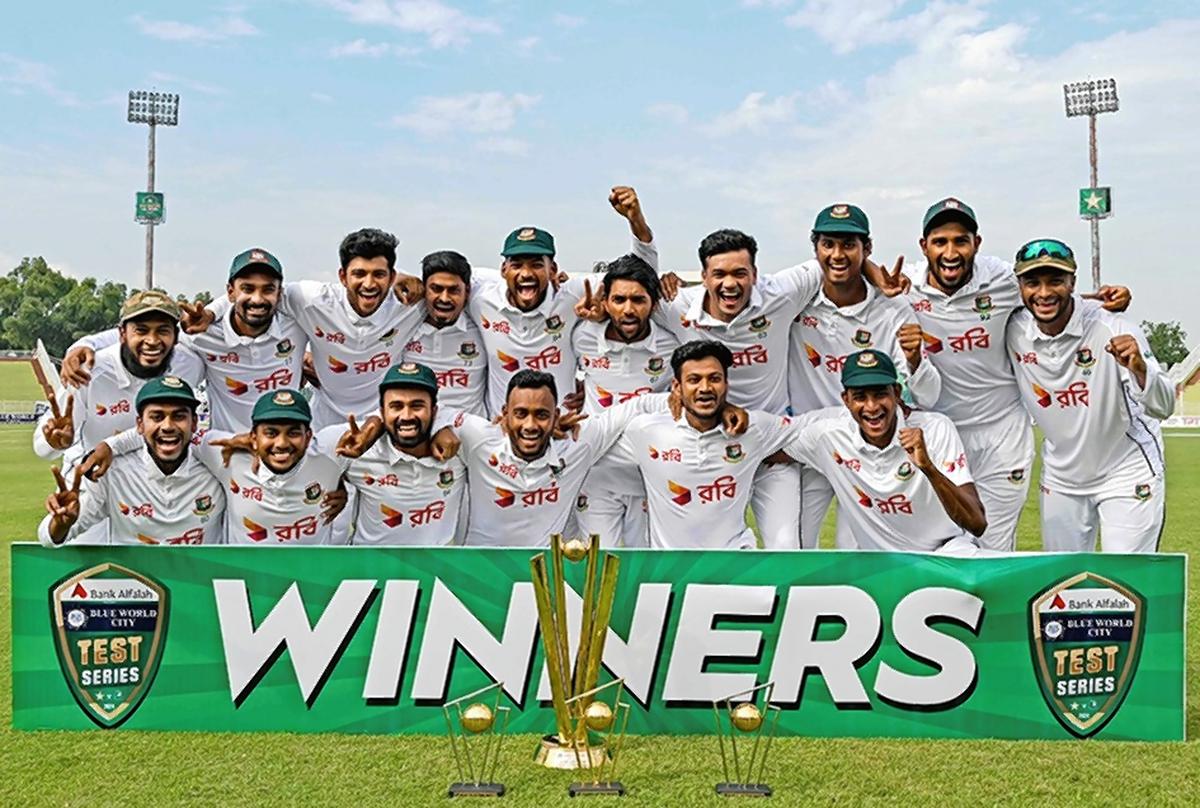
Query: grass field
x: 97, y: 769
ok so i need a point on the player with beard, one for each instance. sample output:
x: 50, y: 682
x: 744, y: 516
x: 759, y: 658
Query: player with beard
x: 901, y: 476
x: 847, y: 315
x: 962, y: 302
x: 157, y: 494
x: 447, y: 342
x: 405, y: 495
x: 624, y: 356
x: 250, y: 350
x: 1088, y: 379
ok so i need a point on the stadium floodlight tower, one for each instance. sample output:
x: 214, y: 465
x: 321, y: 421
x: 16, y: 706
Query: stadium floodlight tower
x: 1091, y: 98
x: 154, y: 109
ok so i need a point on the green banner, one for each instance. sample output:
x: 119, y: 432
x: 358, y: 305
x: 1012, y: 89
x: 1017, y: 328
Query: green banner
x: 373, y: 640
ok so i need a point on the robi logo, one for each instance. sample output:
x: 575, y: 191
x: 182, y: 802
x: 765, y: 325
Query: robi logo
x: 680, y: 495
x: 509, y: 363
x: 504, y: 497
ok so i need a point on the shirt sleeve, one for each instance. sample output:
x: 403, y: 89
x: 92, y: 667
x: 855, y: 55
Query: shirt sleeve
x: 645, y: 250
x: 799, y: 285
x: 946, y: 450
x: 209, y: 456
x: 93, y: 507
x: 297, y: 297
x: 97, y: 341
x: 925, y: 385
x: 324, y: 443
x: 802, y: 442
x: 125, y: 442
x: 483, y: 277
x: 601, y: 431
x: 1158, y: 396
x: 624, y: 473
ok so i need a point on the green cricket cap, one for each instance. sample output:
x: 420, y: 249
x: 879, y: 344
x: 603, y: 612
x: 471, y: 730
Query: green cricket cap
x: 165, y: 388
x: 528, y: 241
x: 151, y: 300
x: 410, y: 374
x: 281, y: 405
x: 255, y: 257
x: 949, y: 210
x: 868, y: 369
x: 1044, y: 253
x: 842, y: 219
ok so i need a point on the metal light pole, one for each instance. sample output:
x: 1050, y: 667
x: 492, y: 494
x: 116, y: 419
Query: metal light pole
x: 155, y: 109
x: 1091, y: 98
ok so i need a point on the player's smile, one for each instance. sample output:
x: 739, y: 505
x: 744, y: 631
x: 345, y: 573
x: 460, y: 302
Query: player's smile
x: 728, y: 278
x: 874, y: 410
x: 1047, y: 294
x: 167, y: 429
x: 281, y: 445
x: 950, y: 252
x: 367, y: 282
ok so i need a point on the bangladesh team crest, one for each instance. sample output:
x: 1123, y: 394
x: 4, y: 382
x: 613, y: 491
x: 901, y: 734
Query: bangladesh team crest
x: 1084, y: 359
x: 760, y: 325
x: 284, y: 348
x: 312, y: 493
x: 983, y: 306
x: 109, y: 625
x: 445, y: 479
x: 467, y: 350
x: 554, y: 325
x: 734, y: 453
x: 862, y: 338
x: 1086, y: 637
x: 905, y: 471
x: 204, y: 505
x: 655, y: 366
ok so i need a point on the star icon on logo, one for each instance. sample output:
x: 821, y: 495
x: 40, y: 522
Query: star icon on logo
x: 1093, y: 201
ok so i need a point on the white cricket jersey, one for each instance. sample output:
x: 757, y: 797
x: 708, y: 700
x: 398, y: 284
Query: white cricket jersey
x: 402, y: 500
x: 615, y: 371
x: 106, y: 405
x: 518, y: 502
x: 1101, y: 430
x: 699, y: 483
x: 964, y: 340
x: 889, y: 503
x: 758, y: 336
x: 145, y: 506
x: 239, y: 369
x: 824, y: 334
x: 456, y: 355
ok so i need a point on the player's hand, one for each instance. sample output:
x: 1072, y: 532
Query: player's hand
x: 1112, y: 298
x: 63, y: 504
x: 308, y: 371
x: 670, y: 284
x: 408, y: 289
x: 356, y: 440
x: 573, y: 401
x: 910, y: 338
x: 625, y: 202
x: 913, y: 441
x: 243, y: 442
x: 334, y: 502
x: 59, y: 429
x: 735, y: 420
x: 591, y: 305
x: 567, y: 424
x: 77, y: 366
x: 194, y: 317
x: 890, y: 284
x: 96, y: 464
x: 675, y: 403
x: 445, y: 444
x: 1128, y: 353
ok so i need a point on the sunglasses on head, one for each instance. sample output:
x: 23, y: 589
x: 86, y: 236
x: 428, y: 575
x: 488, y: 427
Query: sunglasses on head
x: 1044, y: 247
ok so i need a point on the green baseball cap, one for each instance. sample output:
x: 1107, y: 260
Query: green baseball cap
x: 528, y: 241
x: 868, y: 369
x: 949, y: 210
x: 842, y: 219
x: 281, y: 405
x: 255, y: 257
x: 410, y: 374
x: 151, y: 300
x: 165, y: 388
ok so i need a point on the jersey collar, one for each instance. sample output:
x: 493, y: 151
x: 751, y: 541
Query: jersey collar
x: 854, y: 309
x: 1073, y: 329
x: 187, y: 468
x: 384, y: 313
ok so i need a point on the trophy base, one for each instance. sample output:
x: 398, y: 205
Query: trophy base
x: 743, y: 789
x: 612, y: 788
x: 554, y: 754
x: 476, y: 790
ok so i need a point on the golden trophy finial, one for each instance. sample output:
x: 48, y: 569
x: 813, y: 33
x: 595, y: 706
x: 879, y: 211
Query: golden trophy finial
x: 476, y: 771
x: 572, y: 687
x: 745, y: 716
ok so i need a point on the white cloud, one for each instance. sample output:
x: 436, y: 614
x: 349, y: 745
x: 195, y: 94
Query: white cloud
x: 567, y: 20
x: 528, y: 43
x: 321, y: 98
x: 171, y: 81
x: 20, y: 76
x: 511, y: 146
x: 671, y: 113
x: 757, y: 113
x: 848, y: 26
x: 360, y: 47
x: 442, y: 25
x: 217, y: 30
x: 470, y: 112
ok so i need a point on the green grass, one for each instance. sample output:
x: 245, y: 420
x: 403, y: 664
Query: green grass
x: 144, y: 768
x: 17, y: 382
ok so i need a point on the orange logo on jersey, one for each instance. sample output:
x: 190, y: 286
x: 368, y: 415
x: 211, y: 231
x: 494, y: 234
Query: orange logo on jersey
x: 391, y: 516
x: 863, y: 498
x: 256, y: 531
x: 236, y: 387
x: 505, y: 497
x: 100, y: 409
x: 814, y: 356
x: 604, y: 396
x: 681, y: 495
x: 1043, y: 395
x: 848, y: 462
x: 509, y: 363
x: 337, y: 366
x: 233, y: 486
x: 932, y: 343
x: 124, y: 508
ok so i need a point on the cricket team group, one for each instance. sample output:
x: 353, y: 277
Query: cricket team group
x: 470, y: 406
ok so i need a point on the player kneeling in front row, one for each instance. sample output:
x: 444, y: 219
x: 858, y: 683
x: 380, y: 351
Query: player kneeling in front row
x: 157, y: 494
x: 900, y: 475
x: 1087, y: 377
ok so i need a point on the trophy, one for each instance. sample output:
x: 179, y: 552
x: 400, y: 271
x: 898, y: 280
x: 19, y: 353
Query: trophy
x: 478, y: 720
x: 573, y: 689
x: 607, y: 721
x: 745, y: 718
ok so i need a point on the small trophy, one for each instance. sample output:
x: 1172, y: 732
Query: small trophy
x: 476, y: 770
x: 569, y: 747
x: 745, y: 717
x: 592, y: 714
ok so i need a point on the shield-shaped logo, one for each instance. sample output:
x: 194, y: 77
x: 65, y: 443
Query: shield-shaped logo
x: 983, y: 306
x: 1016, y: 476
x: 1086, y: 638
x: 1142, y: 491
x: 733, y: 453
x: 905, y: 471
x: 312, y: 493
x: 284, y: 348
x: 203, y: 505
x: 581, y: 502
x: 467, y: 350
x: 862, y: 338
x: 554, y: 324
x: 759, y: 325
x: 655, y: 366
x: 387, y: 336
x: 1084, y: 358
x: 110, y: 625
x: 445, y: 479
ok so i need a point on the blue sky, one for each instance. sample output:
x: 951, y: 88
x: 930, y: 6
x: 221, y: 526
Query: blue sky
x: 449, y: 123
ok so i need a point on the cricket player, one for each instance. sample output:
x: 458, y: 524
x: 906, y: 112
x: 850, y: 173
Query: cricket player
x: 624, y: 356
x: 962, y: 301
x: 847, y: 315
x: 405, y: 495
x: 752, y: 315
x: 1088, y: 379
x: 157, y: 494
x: 446, y: 341
x: 901, y: 477
x: 248, y: 351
